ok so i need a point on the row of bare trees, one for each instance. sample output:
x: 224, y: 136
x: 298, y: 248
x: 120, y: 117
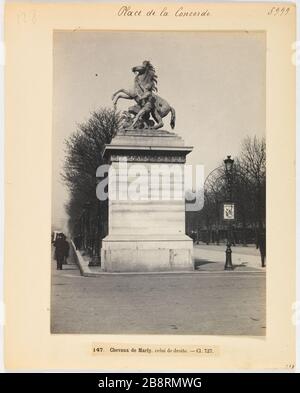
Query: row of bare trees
x: 248, y: 193
x: 83, y: 153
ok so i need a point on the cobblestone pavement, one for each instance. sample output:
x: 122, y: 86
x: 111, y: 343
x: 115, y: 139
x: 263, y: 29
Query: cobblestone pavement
x: 213, y: 302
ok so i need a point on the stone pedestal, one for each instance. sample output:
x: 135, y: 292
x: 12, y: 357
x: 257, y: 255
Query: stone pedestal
x: 146, y: 232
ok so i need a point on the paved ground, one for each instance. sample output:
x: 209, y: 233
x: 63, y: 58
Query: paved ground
x: 210, y: 302
x: 244, y: 250
x: 212, y: 258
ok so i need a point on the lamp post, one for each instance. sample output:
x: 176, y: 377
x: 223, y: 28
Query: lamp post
x: 228, y: 210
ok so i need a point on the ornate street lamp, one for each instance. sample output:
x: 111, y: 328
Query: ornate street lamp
x: 228, y: 210
x: 228, y: 171
x: 228, y: 164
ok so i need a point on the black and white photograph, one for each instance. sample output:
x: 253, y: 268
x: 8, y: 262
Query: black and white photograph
x: 159, y: 183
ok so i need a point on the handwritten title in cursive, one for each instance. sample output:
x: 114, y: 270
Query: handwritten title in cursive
x: 180, y: 12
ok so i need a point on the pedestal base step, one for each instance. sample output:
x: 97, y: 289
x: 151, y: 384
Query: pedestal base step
x: 147, y: 256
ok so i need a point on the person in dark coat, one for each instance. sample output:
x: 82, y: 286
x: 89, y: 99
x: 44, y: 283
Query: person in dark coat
x: 262, y: 248
x: 61, y: 251
x: 78, y: 242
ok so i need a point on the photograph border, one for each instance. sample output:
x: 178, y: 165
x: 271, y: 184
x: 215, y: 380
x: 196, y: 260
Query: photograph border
x: 28, y: 342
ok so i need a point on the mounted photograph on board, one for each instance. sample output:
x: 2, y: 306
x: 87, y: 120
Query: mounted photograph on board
x: 149, y: 149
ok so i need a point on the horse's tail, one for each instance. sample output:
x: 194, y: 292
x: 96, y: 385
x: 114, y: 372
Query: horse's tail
x: 173, y: 117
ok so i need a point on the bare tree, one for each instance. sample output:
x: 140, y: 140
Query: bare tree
x: 249, y: 191
x: 251, y: 166
x: 84, y: 150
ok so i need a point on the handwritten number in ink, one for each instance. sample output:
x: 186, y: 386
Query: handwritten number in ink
x: 277, y: 11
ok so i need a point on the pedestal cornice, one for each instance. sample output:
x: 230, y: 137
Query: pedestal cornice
x: 147, y: 146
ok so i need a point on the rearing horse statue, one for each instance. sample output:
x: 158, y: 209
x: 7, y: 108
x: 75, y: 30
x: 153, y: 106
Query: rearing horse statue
x: 147, y: 102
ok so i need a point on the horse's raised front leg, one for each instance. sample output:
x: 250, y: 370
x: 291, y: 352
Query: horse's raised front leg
x: 121, y: 96
x: 121, y: 91
x: 118, y: 94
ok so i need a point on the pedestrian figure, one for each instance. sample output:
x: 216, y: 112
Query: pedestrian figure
x: 78, y: 242
x: 61, y: 250
x: 262, y: 247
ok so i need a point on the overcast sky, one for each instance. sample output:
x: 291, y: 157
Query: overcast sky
x: 215, y: 82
